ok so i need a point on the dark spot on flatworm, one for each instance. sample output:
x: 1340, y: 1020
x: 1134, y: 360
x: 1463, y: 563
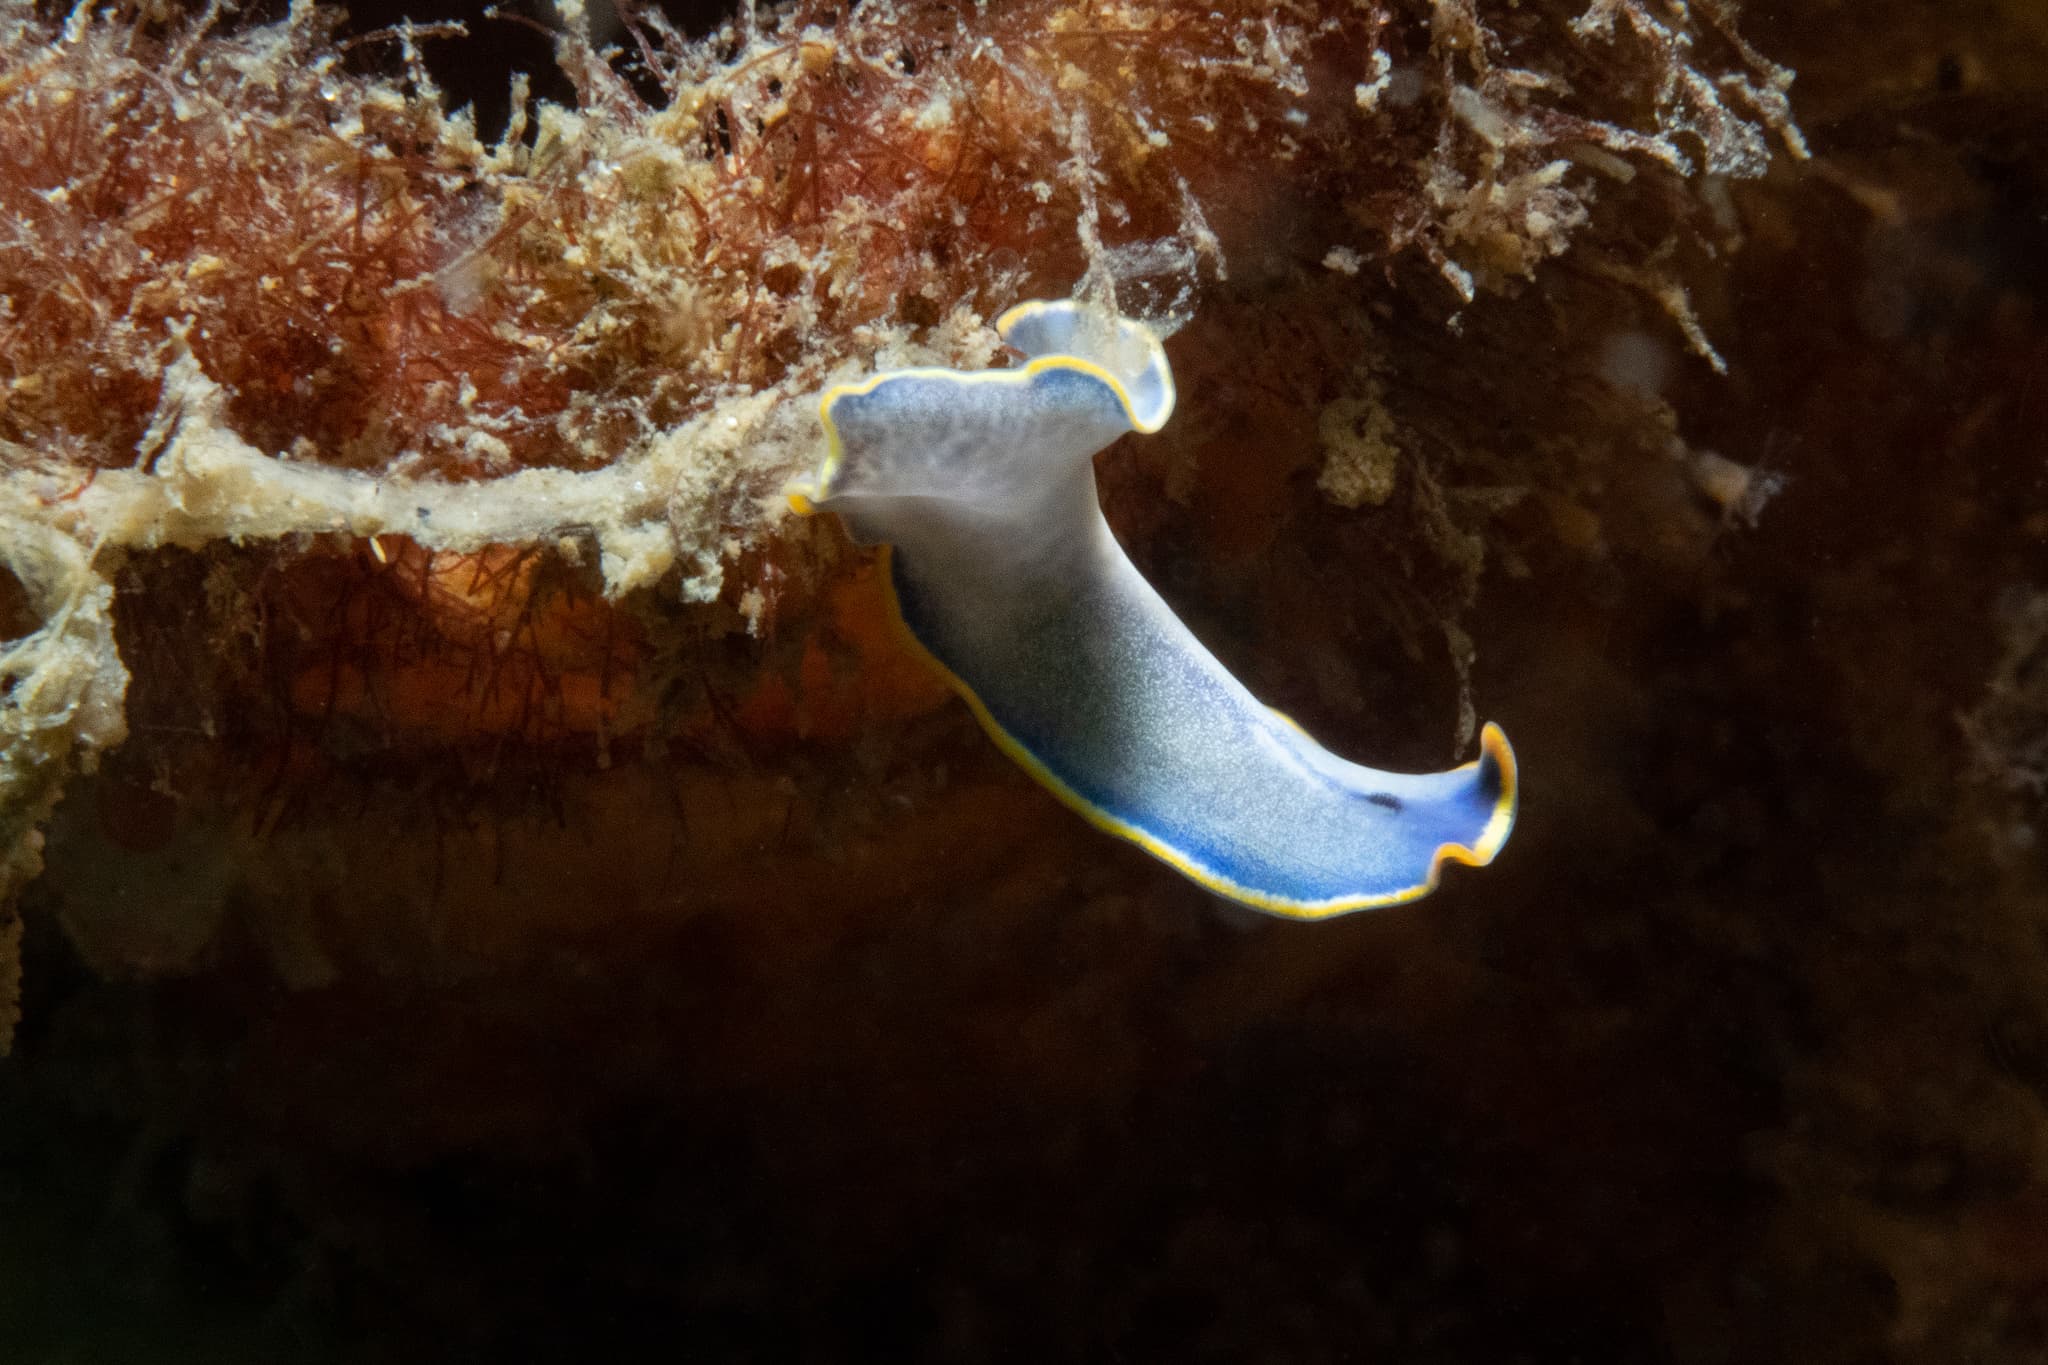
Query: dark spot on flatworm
x: 1387, y: 799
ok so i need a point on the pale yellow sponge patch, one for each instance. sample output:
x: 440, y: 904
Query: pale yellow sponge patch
x: 1361, y: 459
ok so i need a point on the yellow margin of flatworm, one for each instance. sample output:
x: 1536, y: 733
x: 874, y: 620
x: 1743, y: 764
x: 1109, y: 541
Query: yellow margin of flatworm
x: 804, y: 500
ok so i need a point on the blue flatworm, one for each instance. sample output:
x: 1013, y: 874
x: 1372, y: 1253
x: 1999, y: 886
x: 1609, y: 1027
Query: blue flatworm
x: 1004, y: 571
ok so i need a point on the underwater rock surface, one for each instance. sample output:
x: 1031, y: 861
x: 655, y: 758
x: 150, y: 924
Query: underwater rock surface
x: 488, y: 884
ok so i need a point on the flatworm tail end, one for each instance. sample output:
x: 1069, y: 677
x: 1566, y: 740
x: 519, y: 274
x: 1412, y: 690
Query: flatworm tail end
x: 1497, y: 777
x: 1484, y: 792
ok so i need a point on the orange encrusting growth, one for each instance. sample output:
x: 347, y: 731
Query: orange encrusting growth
x: 451, y: 647
x: 446, y: 645
x: 855, y: 669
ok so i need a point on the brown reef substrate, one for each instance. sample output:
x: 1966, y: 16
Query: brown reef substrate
x: 780, y: 1016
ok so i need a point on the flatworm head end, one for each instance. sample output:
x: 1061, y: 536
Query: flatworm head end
x: 1094, y: 377
x: 1124, y: 352
x: 989, y: 437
